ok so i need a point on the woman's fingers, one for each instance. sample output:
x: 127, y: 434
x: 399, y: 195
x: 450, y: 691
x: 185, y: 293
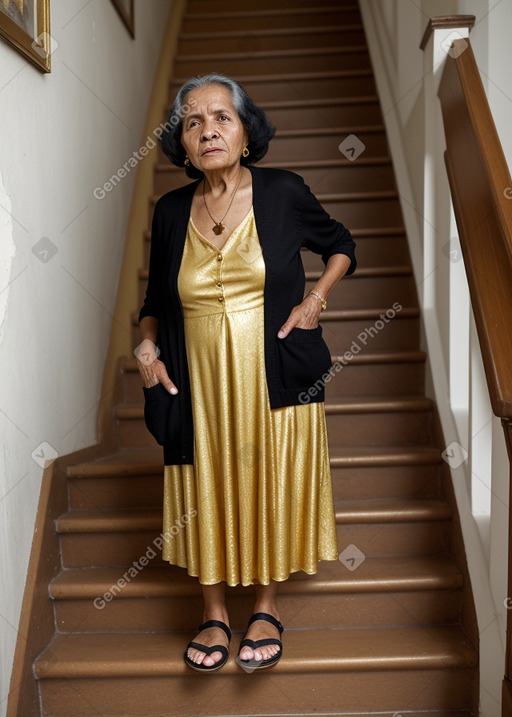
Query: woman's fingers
x: 163, y: 377
x: 303, y: 316
x: 152, y: 370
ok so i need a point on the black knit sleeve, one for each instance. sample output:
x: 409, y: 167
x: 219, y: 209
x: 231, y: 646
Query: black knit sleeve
x: 151, y: 306
x: 322, y: 234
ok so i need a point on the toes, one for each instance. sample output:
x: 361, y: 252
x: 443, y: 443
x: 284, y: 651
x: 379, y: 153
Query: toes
x: 246, y: 653
x: 196, y: 657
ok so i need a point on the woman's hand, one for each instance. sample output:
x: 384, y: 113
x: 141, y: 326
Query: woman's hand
x: 151, y: 369
x: 303, y: 316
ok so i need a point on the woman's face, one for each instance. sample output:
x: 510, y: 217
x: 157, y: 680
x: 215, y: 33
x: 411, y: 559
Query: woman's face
x: 212, y: 134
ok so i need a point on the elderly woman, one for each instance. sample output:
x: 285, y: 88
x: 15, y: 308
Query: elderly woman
x: 231, y: 346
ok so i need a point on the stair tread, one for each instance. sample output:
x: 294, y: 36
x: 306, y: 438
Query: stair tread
x: 381, y: 455
x: 349, y: 404
x: 374, y: 357
x: 288, y: 77
x: 437, y: 572
x: 321, y: 102
x: 298, y: 164
x: 337, y: 196
x: 363, y: 233
x: 126, y: 461
x: 295, y: 52
x: 280, y: 12
x: 362, y: 272
x: 317, y: 650
x: 269, y: 32
x: 136, y: 462
x: 372, y: 510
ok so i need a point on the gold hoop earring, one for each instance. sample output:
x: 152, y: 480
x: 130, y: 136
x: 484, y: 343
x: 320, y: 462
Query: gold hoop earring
x: 187, y: 161
x: 245, y: 152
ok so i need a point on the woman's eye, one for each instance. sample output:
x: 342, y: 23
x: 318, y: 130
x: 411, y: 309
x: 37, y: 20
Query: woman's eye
x: 223, y: 117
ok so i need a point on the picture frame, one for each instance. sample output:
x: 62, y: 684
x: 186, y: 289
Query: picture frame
x: 125, y: 8
x: 25, y: 24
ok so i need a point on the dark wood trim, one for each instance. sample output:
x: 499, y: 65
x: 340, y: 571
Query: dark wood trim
x: 445, y: 22
x: 506, y: 698
x: 37, y: 621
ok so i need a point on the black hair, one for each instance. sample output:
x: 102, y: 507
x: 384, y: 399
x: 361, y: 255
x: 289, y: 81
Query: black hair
x: 259, y: 128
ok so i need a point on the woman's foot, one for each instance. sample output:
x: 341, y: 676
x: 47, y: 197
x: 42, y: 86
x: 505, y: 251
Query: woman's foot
x: 209, y: 636
x: 264, y: 627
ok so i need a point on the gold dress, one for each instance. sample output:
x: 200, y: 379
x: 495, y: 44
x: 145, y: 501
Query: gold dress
x: 257, y: 503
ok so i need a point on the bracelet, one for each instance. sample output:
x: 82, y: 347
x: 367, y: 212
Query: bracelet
x: 321, y: 298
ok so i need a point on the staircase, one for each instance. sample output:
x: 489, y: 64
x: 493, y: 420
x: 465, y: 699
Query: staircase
x: 388, y: 629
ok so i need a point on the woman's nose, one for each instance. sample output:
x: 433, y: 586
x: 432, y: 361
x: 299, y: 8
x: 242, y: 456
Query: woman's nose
x: 209, y: 133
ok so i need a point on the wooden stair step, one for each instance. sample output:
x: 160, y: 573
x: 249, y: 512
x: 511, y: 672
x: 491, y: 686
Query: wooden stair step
x: 373, y: 358
x: 298, y: 164
x: 270, y: 19
x: 404, y: 664
x: 109, y: 521
x: 124, y: 462
x: 371, y: 456
x: 347, y: 512
x: 269, y: 39
x: 335, y: 111
x: 380, y: 232
x: 131, y: 461
x: 406, y: 312
x: 350, y: 405
x: 205, y: 6
x: 253, y: 45
x: 343, y: 326
x: 378, y: 404
x: 323, y: 176
x: 322, y: 144
x: 126, y: 481
x: 295, y: 86
x: 373, y: 575
x: 293, y: 53
x: 428, y: 600
x: 392, y: 510
x: 312, y: 651
x: 328, y: 101
x: 306, y: 59
x: 380, y: 592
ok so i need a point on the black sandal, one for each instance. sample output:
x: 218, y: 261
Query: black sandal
x: 255, y: 644
x: 209, y: 650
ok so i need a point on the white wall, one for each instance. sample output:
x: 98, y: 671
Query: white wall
x: 61, y: 136
x: 407, y: 80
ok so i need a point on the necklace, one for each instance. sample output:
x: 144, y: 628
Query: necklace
x: 219, y: 227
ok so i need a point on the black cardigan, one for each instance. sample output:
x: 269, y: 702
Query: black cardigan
x: 287, y: 216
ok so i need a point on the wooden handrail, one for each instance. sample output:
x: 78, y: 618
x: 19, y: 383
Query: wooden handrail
x: 481, y: 189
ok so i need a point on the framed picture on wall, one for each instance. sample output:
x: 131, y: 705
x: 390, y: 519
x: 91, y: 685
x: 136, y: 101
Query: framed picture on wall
x: 26, y: 25
x: 125, y: 10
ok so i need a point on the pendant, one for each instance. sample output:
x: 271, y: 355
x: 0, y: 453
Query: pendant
x: 218, y: 228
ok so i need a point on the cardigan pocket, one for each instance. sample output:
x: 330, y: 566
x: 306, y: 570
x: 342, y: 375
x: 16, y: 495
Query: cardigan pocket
x: 157, y: 407
x: 304, y: 358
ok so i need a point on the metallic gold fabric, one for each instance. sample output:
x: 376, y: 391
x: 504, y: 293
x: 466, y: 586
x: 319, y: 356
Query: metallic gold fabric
x: 257, y: 504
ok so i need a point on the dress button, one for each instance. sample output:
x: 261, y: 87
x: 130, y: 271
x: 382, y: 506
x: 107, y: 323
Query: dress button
x: 219, y: 283
x: 221, y: 298
x: 219, y: 257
